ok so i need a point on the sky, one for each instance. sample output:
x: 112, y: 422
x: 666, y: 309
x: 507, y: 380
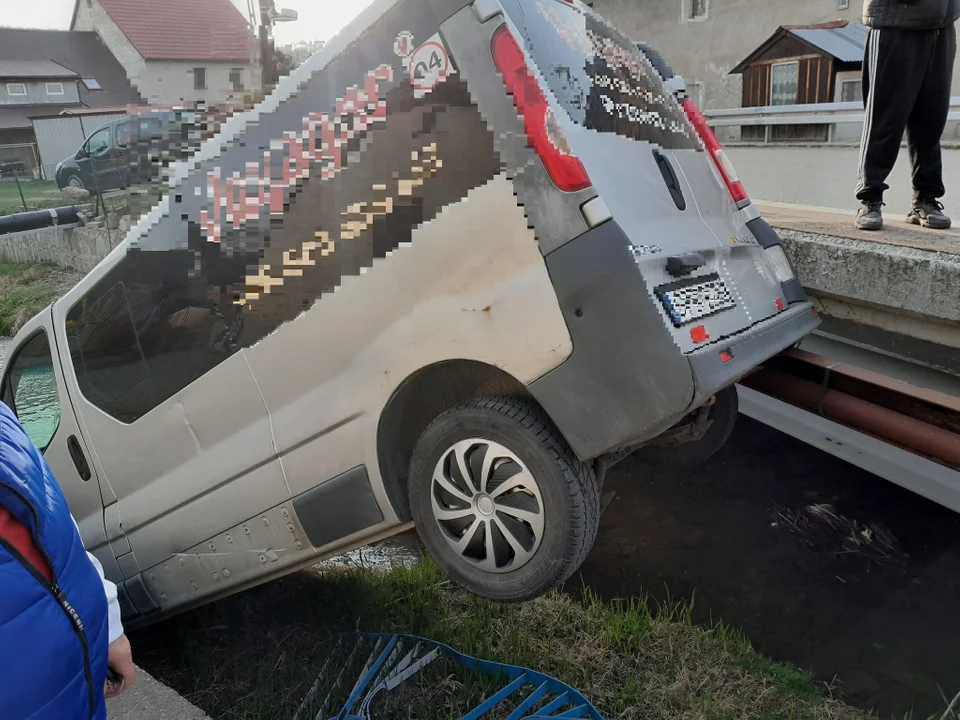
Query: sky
x: 319, y: 19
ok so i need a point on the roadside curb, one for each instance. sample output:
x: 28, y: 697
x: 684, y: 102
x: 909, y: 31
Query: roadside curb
x: 149, y: 699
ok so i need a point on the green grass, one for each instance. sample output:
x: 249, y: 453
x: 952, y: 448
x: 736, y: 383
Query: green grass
x: 255, y: 655
x: 39, y: 194
x: 26, y: 289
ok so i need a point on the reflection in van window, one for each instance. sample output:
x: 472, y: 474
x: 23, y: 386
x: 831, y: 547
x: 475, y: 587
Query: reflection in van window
x: 106, y: 355
x: 147, y: 330
x: 30, y: 390
x: 599, y: 76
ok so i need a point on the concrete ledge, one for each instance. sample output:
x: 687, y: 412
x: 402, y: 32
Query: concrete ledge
x: 80, y: 248
x: 903, y: 279
x: 901, y: 268
x: 149, y: 699
x: 837, y: 223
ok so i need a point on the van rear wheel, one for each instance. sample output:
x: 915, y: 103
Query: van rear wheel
x: 500, y: 501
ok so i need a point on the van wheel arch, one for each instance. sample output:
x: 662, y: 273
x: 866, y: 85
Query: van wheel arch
x: 418, y: 401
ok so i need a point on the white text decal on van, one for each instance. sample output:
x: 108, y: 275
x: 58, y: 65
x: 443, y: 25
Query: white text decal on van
x: 323, y: 140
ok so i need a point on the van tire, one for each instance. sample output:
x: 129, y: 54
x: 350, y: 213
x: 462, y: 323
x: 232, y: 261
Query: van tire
x: 724, y: 414
x: 569, y: 497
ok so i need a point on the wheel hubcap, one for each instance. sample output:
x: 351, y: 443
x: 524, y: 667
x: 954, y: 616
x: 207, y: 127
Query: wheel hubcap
x: 73, y: 182
x: 487, y: 505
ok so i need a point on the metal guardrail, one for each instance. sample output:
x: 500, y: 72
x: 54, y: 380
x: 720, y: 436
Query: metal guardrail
x: 830, y: 114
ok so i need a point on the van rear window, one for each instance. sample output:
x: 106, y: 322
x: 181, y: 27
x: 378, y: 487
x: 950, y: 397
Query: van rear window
x: 599, y: 76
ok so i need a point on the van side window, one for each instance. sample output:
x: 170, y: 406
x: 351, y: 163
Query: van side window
x: 99, y: 142
x: 30, y: 390
x: 148, y: 329
x: 105, y: 351
x: 600, y: 77
x: 124, y: 134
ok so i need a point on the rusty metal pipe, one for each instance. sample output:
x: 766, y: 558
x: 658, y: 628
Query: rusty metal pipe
x: 859, y: 414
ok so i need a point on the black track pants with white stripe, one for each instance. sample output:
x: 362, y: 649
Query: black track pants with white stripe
x: 907, y: 76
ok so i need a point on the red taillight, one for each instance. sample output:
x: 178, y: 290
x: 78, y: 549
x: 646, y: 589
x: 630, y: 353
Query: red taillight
x: 543, y: 130
x: 727, y: 171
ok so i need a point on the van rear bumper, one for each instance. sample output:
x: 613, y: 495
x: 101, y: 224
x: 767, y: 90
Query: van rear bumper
x: 627, y: 381
x: 749, y: 349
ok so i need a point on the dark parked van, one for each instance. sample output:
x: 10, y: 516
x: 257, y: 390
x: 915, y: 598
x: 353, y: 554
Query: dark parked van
x: 130, y: 150
x: 462, y: 259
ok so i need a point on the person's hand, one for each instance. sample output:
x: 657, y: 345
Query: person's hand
x: 120, y: 660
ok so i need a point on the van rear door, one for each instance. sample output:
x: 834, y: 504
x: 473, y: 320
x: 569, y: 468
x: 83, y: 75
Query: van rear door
x: 649, y: 165
x: 629, y: 159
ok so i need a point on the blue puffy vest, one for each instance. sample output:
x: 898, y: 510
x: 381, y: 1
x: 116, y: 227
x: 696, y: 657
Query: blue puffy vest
x: 53, y: 650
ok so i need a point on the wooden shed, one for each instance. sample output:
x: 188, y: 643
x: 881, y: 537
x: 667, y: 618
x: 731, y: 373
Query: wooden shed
x: 804, y: 64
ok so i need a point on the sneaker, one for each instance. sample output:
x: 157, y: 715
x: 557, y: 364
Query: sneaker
x: 869, y: 216
x: 929, y: 214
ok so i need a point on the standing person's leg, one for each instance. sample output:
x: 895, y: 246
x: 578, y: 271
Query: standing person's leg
x: 925, y: 129
x: 894, y: 66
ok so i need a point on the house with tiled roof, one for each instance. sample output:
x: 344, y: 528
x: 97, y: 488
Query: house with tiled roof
x: 177, y: 51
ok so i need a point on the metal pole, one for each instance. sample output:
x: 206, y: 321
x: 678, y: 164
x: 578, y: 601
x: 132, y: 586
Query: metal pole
x: 270, y: 76
x: 100, y: 202
x: 23, y: 201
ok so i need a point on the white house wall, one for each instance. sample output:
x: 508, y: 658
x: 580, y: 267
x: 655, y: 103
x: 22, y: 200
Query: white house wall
x: 163, y: 82
x: 706, y: 50
x: 92, y: 16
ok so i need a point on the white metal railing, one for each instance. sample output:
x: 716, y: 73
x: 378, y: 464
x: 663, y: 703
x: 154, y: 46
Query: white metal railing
x: 830, y: 114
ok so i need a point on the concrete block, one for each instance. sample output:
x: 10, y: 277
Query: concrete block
x: 80, y: 248
x: 897, y: 277
x: 75, y: 196
x: 904, y: 280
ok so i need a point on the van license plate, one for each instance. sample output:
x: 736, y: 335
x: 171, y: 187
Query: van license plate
x: 689, y: 300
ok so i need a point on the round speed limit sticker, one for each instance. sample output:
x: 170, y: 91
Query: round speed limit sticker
x: 429, y: 65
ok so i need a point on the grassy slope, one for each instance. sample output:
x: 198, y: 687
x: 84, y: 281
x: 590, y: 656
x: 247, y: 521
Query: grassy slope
x: 25, y: 290
x: 255, y: 655
x: 39, y: 194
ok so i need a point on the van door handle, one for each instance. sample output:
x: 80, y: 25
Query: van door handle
x: 670, y: 178
x: 83, y: 469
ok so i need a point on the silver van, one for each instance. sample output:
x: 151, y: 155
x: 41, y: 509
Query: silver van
x: 459, y: 262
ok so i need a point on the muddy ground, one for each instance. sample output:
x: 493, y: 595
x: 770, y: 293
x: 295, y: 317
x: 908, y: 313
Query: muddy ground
x: 821, y: 564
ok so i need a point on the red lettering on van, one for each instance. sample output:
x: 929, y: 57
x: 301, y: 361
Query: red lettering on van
x: 237, y: 200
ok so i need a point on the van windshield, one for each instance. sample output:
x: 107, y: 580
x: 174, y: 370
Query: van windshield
x: 599, y: 76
